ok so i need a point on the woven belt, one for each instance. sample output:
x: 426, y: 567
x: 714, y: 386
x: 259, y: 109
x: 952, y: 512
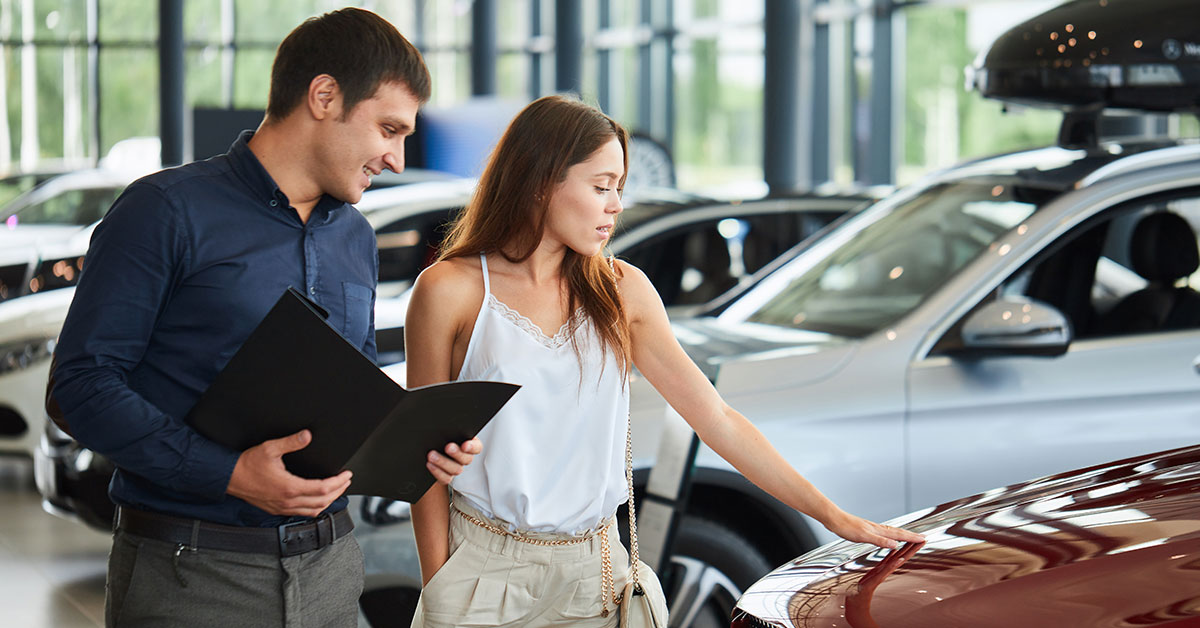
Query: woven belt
x: 285, y: 540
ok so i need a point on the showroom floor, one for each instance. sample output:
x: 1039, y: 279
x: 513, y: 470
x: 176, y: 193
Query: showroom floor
x: 51, y: 570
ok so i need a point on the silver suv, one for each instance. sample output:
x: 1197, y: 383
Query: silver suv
x: 1006, y: 318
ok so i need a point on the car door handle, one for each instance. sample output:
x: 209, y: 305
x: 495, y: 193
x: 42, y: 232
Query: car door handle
x: 1196, y: 364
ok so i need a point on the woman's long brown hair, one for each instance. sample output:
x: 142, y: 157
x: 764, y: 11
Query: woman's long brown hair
x: 507, y: 213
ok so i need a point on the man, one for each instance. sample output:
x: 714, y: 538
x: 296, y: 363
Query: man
x: 185, y: 265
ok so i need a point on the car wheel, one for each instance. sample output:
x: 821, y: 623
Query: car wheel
x: 710, y: 568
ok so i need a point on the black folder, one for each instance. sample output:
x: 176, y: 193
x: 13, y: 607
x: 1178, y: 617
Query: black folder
x: 295, y: 371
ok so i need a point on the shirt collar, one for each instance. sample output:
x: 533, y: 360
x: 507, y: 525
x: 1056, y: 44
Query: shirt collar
x: 249, y: 169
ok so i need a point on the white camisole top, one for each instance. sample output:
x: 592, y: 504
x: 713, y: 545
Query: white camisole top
x: 554, y: 456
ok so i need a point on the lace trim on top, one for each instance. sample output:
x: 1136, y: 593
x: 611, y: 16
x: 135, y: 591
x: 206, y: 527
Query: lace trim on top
x: 522, y: 322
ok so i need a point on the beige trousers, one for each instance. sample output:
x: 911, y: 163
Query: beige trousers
x: 496, y: 580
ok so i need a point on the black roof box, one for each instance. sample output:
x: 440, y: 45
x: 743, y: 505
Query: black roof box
x: 1092, y: 54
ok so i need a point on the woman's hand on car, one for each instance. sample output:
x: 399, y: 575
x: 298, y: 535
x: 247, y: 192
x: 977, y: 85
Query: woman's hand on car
x: 861, y: 530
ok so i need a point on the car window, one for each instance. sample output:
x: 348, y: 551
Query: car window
x: 770, y: 235
x: 1147, y: 280
x: 72, y: 207
x: 406, y: 247
x: 13, y: 186
x: 695, y: 263
x: 889, y: 266
x: 1133, y: 270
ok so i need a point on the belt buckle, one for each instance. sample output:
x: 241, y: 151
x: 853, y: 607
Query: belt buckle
x: 293, y: 541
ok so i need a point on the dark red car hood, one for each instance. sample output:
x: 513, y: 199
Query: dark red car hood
x: 1115, y: 545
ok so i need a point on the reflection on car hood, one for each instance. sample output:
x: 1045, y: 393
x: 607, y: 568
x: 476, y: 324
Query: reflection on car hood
x: 1111, y: 545
x: 710, y: 342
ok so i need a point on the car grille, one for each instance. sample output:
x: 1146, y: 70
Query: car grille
x: 742, y: 619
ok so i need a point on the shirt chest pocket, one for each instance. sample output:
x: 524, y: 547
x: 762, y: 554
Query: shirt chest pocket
x: 358, y: 312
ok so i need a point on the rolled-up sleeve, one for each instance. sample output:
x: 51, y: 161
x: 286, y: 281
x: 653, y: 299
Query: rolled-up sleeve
x: 136, y: 255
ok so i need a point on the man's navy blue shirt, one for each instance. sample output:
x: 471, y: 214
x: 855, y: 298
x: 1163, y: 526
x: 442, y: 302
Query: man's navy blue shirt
x: 184, y: 266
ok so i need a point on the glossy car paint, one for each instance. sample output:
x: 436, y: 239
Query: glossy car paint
x: 1115, y: 545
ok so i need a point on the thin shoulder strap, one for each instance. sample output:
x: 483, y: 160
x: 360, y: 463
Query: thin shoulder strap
x: 487, y: 286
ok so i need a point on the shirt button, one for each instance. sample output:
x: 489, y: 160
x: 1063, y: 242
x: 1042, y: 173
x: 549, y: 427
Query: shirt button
x: 312, y: 289
x: 274, y: 203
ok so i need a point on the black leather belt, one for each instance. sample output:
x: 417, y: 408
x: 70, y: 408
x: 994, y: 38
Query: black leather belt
x: 285, y: 540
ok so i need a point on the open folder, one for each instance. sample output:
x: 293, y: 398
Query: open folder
x: 295, y: 371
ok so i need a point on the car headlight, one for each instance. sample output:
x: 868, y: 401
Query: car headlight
x: 21, y: 354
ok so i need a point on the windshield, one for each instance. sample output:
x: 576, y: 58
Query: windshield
x: 892, y: 264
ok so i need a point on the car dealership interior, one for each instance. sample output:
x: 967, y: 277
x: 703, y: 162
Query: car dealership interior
x: 943, y: 254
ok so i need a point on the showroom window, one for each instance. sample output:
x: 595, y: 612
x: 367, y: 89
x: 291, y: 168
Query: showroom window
x: 718, y: 67
x: 883, y: 100
x: 943, y: 123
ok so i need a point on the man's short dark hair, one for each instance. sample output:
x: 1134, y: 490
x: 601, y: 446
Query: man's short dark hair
x: 357, y: 48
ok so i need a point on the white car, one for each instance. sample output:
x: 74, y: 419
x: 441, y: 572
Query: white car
x: 29, y: 327
x: 44, y: 235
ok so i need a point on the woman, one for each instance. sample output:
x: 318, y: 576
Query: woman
x: 523, y: 293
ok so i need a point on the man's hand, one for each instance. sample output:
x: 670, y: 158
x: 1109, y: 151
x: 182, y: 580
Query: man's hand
x: 260, y: 478
x: 444, y: 468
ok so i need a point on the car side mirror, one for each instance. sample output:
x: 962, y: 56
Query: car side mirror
x: 1017, y: 326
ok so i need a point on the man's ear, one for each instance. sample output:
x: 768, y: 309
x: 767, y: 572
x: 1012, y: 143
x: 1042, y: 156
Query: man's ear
x: 324, y: 97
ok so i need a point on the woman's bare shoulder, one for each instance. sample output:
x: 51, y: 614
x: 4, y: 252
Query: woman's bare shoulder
x: 629, y: 275
x: 636, y: 288
x: 451, y: 283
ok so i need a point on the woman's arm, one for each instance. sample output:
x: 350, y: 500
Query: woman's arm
x: 432, y: 327
x: 658, y: 356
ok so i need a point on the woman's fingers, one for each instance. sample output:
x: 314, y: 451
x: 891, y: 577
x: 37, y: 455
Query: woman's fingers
x: 861, y: 530
x: 899, y: 534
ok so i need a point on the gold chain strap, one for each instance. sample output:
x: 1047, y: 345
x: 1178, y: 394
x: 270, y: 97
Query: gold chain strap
x: 524, y: 539
x: 607, y: 579
x: 607, y: 587
x: 633, y: 543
